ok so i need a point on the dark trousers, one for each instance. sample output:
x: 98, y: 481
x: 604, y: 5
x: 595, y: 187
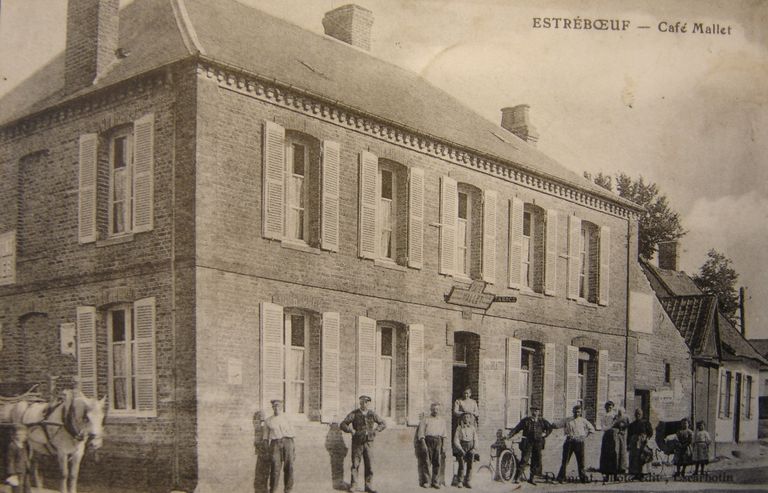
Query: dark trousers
x: 362, y: 451
x: 282, y: 453
x: 432, y: 454
x: 532, y: 456
x: 465, y: 459
x: 24, y: 484
x: 572, y: 446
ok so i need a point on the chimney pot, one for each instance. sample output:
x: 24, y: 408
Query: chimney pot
x: 351, y: 24
x: 668, y: 255
x: 516, y: 119
x: 92, y: 35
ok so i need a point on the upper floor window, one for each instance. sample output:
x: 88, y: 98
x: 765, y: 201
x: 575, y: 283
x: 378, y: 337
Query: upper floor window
x: 532, y: 247
x: 588, y: 261
x: 297, y: 183
x: 120, y: 182
x: 463, y: 234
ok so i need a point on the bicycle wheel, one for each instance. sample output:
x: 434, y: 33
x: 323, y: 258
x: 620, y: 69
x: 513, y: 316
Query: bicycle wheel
x: 507, y: 466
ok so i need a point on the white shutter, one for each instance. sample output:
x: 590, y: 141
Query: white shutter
x: 272, y: 362
x: 602, y: 377
x: 489, y: 236
x: 550, y: 267
x: 571, y: 378
x: 415, y: 372
x: 369, y: 170
x: 87, y: 188
x: 329, y: 408
x: 366, y: 357
x: 449, y: 203
x: 331, y: 171
x: 548, y: 405
x: 8, y: 257
x: 144, y: 323
x: 416, y: 218
x: 515, y: 242
x: 273, y: 188
x: 605, y: 257
x: 514, y: 349
x: 574, y: 259
x: 143, y: 173
x: 86, y: 350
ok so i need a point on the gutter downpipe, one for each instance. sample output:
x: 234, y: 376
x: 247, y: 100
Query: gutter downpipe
x: 626, y: 321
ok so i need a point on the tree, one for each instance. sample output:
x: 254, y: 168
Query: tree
x: 658, y: 223
x: 717, y: 277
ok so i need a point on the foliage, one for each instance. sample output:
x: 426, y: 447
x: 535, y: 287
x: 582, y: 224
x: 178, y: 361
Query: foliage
x: 718, y: 277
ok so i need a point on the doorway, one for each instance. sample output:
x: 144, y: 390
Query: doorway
x: 466, y: 368
x: 642, y: 402
x: 737, y: 409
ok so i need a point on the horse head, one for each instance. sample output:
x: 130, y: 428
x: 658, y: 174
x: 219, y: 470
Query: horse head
x: 87, y: 418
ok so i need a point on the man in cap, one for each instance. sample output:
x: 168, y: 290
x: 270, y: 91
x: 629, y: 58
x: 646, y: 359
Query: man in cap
x: 535, y: 430
x: 577, y: 429
x: 279, y: 434
x: 363, y: 423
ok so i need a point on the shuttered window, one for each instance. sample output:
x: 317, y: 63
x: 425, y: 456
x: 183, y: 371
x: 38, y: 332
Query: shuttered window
x: 416, y: 218
x: 415, y: 373
x: 87, y: 188
x: 86, y: 350
x: 489, y: 236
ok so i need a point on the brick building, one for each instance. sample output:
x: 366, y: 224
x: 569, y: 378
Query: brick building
x: 207, y: 207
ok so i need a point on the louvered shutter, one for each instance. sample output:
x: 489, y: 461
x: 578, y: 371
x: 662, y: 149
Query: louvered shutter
x: 143, y: 173
x: 415, y: 373
x: 515, y: 242
x: 449, y: 203
x: 574, y: 258
x: 87, y: 188
x: 605, y: 256
x: 602, y: 377
x: 86, y: 350
x: 489, y: 236
x: 329, y: 408
x: 550, y: 267
x: 273, y: 207
x: 272, y: 361
x: 514, y: 348
x: 366, y: 357
x: 144, y: 323
x: 331, y: 171
x: 369, y: 170
x: 571, y: 378
x: 416, y: 218
x: 548, y: 404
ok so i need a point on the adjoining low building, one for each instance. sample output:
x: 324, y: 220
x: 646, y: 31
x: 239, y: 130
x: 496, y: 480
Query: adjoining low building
x: 761, y: 346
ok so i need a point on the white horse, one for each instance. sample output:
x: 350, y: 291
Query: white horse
x: 64, y: 431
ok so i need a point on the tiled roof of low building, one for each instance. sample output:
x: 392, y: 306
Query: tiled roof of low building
x: 694, y: 318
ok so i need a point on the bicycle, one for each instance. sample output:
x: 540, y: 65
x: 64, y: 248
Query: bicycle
x: 661, y: 463
x: 504, y: 460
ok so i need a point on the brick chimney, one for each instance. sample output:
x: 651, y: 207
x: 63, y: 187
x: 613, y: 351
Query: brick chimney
x: 517, y: 120
x: 668, y: 255
x: 350, y: 23
x: 92, y: 32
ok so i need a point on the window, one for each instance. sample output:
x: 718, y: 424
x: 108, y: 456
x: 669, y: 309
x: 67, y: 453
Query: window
x: 725, y: 394
x: 120, y: 183
x: 526, y: 386
x: 588, y: 261
x: 748, y: 397
x: 297, y: 158
x: 582, y: 381
x: 295, y: 335
x: 467, y: 231
x: 532, y: 247
x: 459, y: 352
x: 464, y: 235
x: 385, y: 351
x: 390, y: 212
x: 587, y: 383
x: 528, y: 251
x: 7, y: 258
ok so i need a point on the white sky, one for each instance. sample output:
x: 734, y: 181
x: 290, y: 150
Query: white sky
x: 687, y: 111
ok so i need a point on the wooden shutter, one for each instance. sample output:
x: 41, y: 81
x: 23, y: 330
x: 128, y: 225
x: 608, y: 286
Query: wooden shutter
x: 86, y: 349
x: 416, y: 218
x: 550, y: 267
x: 449, y: 203
x: 143, y: 173
x: 602, y: 378
x: 86, y: 211
x: 273, y: 193
x: 415, y: 373
x: 366, y: 357
x: 489, y: 236
x: 571, y: 378
x: 8, y: 258
x: 515, y: 242
x: 144, y: 323
x: 605, y: 257
x: 574, y: 260
x: 272, y: 357
x: 329, y: 408
x: 369, y: 170
x: 514, y: 349
x: 331, y: 171
x: 548, y: 404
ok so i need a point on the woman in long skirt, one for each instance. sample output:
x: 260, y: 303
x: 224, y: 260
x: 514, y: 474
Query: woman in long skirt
x: 640, y: 453
x: 608, y: 450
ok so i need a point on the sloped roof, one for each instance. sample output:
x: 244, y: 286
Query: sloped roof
x: 694, y: 317
x: 154, y: 33
x: 760, y: 345
x: 733, y: 345
x: 671, y: 282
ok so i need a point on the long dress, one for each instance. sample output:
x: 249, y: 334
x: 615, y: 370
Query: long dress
x: 701, y: 441
x: 683, y: 455
x: 613, y: 449
x: 640, y: 453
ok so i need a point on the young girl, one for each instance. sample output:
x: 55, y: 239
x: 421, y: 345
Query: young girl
x: 701, y: 441
x: 683, y: 454
x: 19, y: 462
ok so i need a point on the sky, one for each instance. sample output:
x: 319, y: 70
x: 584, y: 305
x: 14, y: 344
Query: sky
x: 687, y: 111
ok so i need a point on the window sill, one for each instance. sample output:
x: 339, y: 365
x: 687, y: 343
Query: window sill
x: 462, y: 278
x: 389, y: 264
x: 115, y: 240
x: 531, y: 293
x: 588, y: 304
x: 300, y: 246
x: 128, y: 418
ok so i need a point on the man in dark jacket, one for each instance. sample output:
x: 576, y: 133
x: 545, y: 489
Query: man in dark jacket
x: 535, y: 430
x: 18, y: 465
x: 363, y: 423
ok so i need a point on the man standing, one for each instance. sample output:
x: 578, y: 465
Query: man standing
x: 281, y: 448
x: 577, y: 429
x: 431, y: 435
x: 466, y: 405
x: 363, y: 423
x: 535, y: 431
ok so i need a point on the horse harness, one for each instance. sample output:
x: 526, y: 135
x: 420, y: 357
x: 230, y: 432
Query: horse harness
x: 68, y: 423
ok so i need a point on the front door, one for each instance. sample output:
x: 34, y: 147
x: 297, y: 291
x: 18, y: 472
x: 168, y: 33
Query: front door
x: 737, y: 409
x: 642, y: 402
x: 466, y: 368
